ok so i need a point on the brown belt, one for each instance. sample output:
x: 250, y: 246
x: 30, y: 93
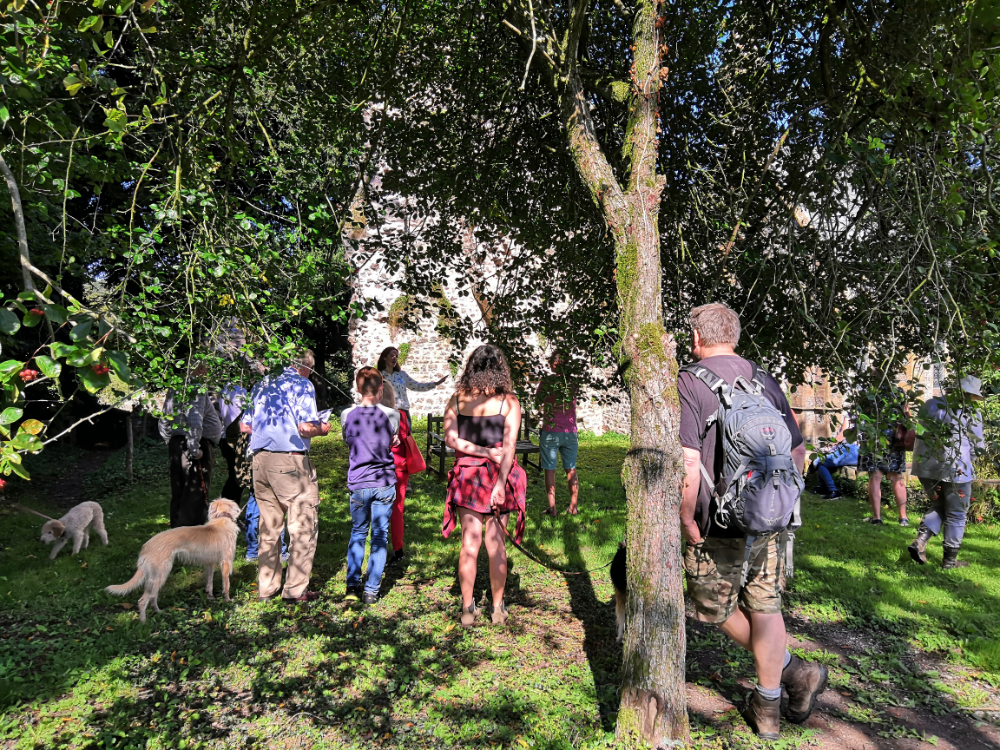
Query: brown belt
x: 294, y: 453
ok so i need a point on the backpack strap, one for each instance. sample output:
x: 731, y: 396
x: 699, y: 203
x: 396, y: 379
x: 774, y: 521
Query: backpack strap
x: 715, y: 384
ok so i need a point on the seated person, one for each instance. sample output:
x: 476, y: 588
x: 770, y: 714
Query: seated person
x: 843, y: 454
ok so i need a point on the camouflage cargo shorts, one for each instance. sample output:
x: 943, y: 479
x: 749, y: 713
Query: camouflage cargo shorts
x: 714, y: 569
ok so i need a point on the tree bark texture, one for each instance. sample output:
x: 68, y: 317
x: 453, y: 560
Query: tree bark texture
x: 22, y: 233
x: 653, y: 708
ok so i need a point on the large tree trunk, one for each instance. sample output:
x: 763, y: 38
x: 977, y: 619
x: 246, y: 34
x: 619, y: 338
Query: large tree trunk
x: 653, y: 708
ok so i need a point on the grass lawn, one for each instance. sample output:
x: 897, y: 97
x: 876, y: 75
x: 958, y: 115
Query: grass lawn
x: 913, y: 651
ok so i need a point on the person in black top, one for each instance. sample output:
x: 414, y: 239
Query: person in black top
x: 748, y: 612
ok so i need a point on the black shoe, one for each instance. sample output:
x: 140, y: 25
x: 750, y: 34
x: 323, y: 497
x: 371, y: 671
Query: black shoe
x: 951, y: 560
x: 829, y: 495
x: 369, y: 597
x: 918, y: 548
x: 353, y: 594
x: 874, y: 521
x: 399, y: 557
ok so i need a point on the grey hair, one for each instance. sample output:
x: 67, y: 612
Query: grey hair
x: 717, y: 324
x: 304, y: 358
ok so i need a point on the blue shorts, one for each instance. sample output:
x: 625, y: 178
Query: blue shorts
x: 565, y: 444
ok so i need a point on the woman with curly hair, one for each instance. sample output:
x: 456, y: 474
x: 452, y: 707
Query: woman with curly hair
x: 481, y: 423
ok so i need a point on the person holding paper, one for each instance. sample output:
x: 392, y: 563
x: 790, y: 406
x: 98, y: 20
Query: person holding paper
x: 281, y: 419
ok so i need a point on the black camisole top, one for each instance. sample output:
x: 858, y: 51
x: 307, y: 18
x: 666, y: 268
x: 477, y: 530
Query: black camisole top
x: 482, y: 431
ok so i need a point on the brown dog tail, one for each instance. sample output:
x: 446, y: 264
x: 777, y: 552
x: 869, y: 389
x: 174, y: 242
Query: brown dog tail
x: 131, y: 585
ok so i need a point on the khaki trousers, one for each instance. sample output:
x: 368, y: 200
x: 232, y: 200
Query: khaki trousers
x: 285, y: 484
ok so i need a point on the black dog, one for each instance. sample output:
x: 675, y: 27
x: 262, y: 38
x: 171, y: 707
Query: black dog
x: 619, y: 579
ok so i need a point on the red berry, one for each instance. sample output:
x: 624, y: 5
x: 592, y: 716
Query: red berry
x: 36, y: 311
x: 101, y: 369
x: 28, y: 375
x: 3, y: 483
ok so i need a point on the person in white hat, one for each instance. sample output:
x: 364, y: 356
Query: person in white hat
x: 943, y: 461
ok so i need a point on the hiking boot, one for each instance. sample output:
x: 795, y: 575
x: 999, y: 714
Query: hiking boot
x: 763, y: 715
x: 951, y: 559
x: 804, y: 681
x: 469, y: 615
x: 399, y: 557
x: 498, y: 614
x: 369, y: 597
x: 353, y: 594
x: 918, y: 548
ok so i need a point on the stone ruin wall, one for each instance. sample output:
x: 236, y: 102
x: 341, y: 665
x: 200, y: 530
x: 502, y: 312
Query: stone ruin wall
x: 427, y: 359
x: 815, y: 402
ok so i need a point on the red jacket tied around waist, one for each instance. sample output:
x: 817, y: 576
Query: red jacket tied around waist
x: 470, y: 484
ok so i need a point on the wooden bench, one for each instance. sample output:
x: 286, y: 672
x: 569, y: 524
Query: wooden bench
x: 437, y: 447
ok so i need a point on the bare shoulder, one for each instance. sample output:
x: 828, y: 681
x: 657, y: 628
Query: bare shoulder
x: 452, y: 403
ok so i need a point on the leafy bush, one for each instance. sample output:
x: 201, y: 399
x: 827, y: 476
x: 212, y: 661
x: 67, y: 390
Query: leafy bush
x: 149, y: 463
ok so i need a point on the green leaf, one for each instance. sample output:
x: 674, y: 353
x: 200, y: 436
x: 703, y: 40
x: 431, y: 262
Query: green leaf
x: 9, y: 323
x: 83, y: 358
x: 109, y: 39
x: 93, y: 382
x: 31, y: 426
x: 4, y: 115
x: 81, y: 330
x: 118, y: 361
x: 20, y: 470
x: 31, y: 320
x: 49, y: 367
x: 10, y: 367
x: 56, y: 313
x: 91, y: 22
x: 10, y: 415
x: 60, y: 350
x: 25, y: 441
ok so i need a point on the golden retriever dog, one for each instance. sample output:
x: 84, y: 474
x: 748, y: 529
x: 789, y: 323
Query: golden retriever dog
x: 75, y: 525
x: 210, y: 545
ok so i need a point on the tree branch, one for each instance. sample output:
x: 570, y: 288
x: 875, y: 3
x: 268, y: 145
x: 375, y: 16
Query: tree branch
x: 22, y: 233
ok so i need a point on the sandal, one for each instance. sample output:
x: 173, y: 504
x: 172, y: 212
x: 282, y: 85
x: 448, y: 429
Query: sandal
x: 572, y: 511
x: 550, y: 512
x: 498, y: 614
x: 469, y: 615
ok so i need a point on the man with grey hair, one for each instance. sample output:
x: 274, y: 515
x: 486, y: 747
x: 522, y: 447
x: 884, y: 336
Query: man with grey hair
x: 281, y: 418
x: 943, y: 461
x: 747, y: 610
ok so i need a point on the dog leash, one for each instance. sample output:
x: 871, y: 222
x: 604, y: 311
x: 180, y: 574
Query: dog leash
x: 545, y: 565
x: 35, y: 512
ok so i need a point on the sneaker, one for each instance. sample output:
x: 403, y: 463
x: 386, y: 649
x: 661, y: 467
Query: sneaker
x: 251, y: 558
x: 874, y: 521
x: 399, y: 557
x: 369, y: 597
x: 904, y: 522
x: 353, y: 594
x: 284, y: 557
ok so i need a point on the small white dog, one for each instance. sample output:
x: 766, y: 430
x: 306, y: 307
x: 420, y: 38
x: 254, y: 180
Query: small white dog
x: 75, y: 525
x: 210, y: 545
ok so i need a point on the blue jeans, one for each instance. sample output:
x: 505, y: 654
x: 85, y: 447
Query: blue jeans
x: 370, y: 507
x: 253, y: 524
x: 844, y: 455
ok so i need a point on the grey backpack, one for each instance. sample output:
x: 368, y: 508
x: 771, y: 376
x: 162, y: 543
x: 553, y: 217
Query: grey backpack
x: 759, y: 489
